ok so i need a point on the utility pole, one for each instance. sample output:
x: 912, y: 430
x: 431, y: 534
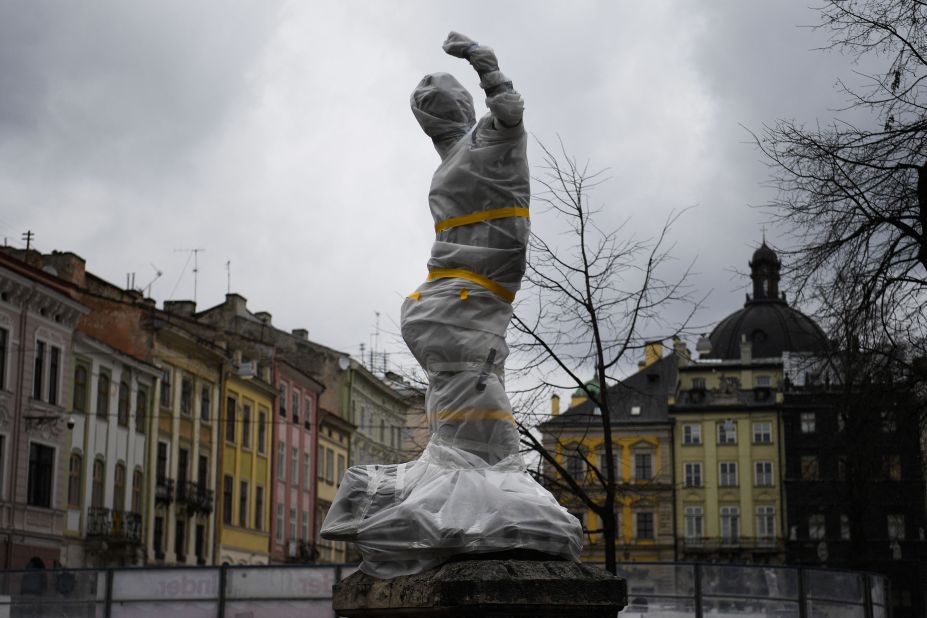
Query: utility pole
x: 228, y: 276
x: 28, y: 236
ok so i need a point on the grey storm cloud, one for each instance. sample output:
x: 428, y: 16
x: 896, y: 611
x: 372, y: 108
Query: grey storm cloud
x: 122, y: 90
x: 278, y: 137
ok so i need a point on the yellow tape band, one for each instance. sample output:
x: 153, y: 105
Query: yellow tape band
x: 476, y: 415
x: 484, y: 215
x: 415, y: 295
x: 480, y: 280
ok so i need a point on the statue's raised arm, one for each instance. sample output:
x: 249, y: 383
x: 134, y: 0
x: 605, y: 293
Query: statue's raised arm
x: 506, y: 105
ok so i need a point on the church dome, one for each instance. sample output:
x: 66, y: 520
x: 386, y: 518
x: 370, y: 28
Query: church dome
x: 766, y: 321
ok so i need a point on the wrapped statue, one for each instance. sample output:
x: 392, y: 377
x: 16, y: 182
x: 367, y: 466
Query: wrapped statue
x: 469, y: 492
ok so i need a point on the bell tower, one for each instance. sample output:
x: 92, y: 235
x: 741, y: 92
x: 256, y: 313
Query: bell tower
x: 764, y: 271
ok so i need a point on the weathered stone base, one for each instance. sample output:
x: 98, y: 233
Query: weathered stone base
x: 486, y: 588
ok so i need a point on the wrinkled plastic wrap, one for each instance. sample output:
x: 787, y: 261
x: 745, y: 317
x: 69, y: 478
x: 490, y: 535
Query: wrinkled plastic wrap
x: 469, y: 491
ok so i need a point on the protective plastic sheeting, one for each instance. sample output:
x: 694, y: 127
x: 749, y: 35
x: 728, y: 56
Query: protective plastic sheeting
x: 469, y: 492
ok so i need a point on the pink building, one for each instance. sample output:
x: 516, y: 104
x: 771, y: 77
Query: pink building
x: 295, y: 443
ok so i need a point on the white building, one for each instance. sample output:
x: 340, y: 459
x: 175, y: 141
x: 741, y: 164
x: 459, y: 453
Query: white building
x: 112, y: 398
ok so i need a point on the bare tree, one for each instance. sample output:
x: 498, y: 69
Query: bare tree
x: 590, y: 298
x: 854, y: 194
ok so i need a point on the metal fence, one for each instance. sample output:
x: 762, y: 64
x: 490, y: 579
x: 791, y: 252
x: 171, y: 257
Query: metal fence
x: 667, y: 590
x: 298, y: 591
x: 705, y: 590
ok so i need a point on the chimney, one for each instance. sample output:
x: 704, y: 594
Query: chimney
x: 554, y: 404
x: 653, y: 351
x: 264, y: 317
x: 681, y: 350
x: 237, y: 303
x: 70, y: 266
x: 183, y: 308
x: 302, y: 333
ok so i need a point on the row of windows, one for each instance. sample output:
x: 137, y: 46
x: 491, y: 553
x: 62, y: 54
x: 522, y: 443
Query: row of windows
x: 728, y: 474
x: 75, y: 468
x: 186, y: 395
x: 380, y: 431
x: 644, y: 524
x: 280, y: 525
x: 888, y: 422
x: 46, y: 370
x: 294, y: 405
x: 810, y: 468
x: 180, y: 533
x: 245, y: 519
x: 729, y: 523
x: 103, y: 385
x: 817, y: 527
x: 577, y: 464
x: 233, y: 420
x: 733, y: 383
x: 726, y: 432
x: 325, y: 466
x: 183, y: 465
x: 294, y: 466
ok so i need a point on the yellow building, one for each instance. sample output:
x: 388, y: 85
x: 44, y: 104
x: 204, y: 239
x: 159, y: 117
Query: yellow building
x: 642, y: 448
x: 729, y: 445
x: 728, y: 449
x: 182, y: 449
x: 245, y: 481
x: 331, y: 463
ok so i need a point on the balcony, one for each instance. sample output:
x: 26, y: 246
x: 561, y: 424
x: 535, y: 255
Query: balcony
x: 197, y: 498
x: 301, y: 551
x: 728, y: 544
x: 114, y: 526
x: 164, y: 491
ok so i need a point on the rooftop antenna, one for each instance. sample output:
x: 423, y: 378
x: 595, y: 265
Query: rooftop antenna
x: 28, y: 235
x: 158, y: 273
x: 196, y: 267
x: 228, y: 277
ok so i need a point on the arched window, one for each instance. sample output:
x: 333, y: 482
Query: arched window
x: 122, y: 416
x: 74, y: 480
x: 96, y: 497
x: 119, y: 497
x: 103, y: 394
x: 80, y: 388
x: 141, y: 409
x: 137, y: 480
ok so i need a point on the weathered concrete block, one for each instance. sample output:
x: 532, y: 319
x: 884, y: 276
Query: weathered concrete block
x: 487, y: 588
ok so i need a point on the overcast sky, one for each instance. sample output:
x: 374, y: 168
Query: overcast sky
x: 278, y: 135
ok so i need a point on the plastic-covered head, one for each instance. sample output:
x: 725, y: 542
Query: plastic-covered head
x: 444, y: 109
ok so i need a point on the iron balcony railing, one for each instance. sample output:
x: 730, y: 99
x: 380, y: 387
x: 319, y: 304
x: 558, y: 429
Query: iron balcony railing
x: 114, y: 526
x: 196, y: 497
x: 728, y: 543
x: 164, y: 490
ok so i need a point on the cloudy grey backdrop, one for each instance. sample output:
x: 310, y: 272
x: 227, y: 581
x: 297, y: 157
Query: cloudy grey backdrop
x: 278, y: 135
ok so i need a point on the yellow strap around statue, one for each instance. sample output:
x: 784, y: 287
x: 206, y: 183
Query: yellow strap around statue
x: 471, y: 414
x: 483, y: 215
x: 469, y: 275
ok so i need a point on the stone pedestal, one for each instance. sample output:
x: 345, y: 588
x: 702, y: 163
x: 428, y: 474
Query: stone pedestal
x: 487, y: 588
